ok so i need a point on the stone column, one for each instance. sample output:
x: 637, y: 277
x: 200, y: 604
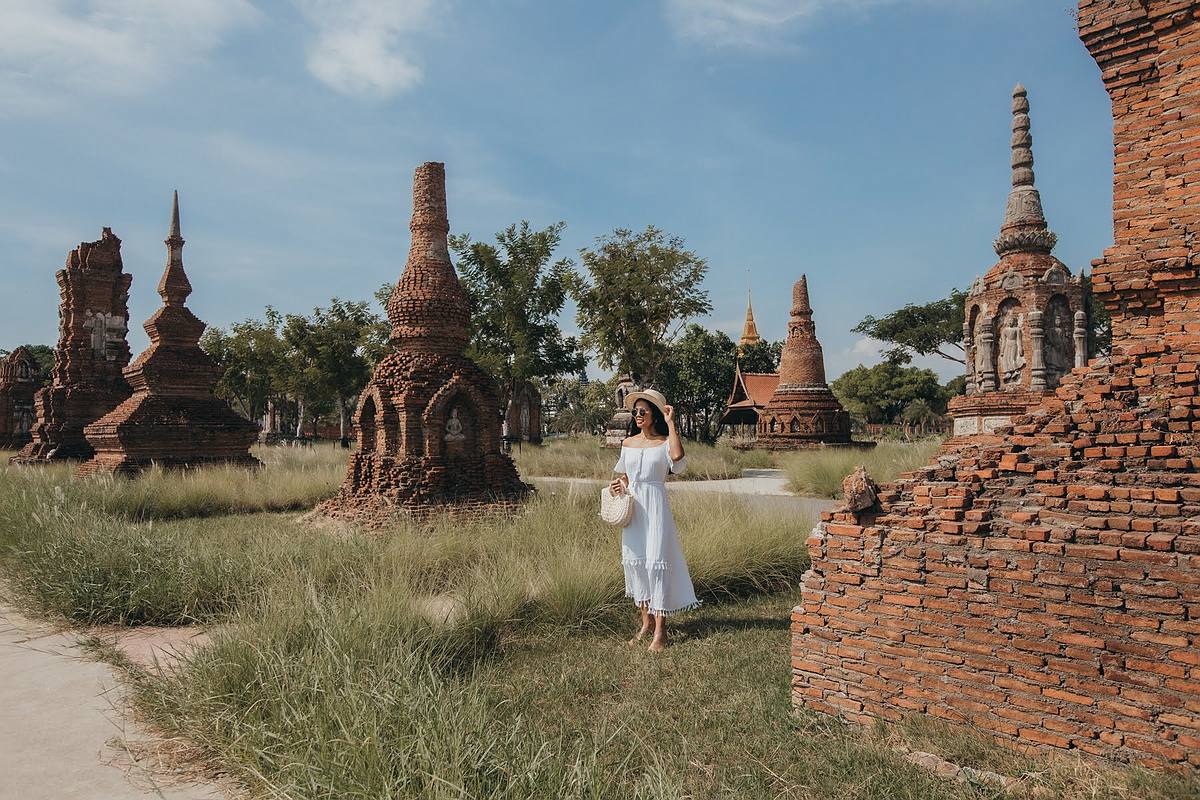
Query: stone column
x: 987, y: 379
x: 969, y: 359
x: 1081, y: 332
x: 1037, y: 357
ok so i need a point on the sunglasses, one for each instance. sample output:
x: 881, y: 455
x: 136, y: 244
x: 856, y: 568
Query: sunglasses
x: 640, y: 412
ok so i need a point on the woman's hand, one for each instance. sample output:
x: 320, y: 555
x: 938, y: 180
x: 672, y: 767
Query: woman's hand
x: 669, y: 415
x: 617, y: 487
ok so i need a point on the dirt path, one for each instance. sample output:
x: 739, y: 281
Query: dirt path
x: 62, y: 726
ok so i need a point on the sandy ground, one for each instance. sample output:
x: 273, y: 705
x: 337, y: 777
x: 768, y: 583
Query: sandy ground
x: 64, y: 731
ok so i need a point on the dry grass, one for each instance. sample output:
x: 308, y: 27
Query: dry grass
x: 819, y: 473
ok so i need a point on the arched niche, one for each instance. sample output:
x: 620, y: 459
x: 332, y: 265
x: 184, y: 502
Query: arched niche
x: 368, y: 413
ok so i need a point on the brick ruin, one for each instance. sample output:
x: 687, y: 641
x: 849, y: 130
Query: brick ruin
x: 172, y: 417
x: 1025, y: 323
x: 803, y: 412
x: 428, y: 421
x: 1045, y: 587
x: 86, y: 381
x: 523, y: 419
x: 18, y: 385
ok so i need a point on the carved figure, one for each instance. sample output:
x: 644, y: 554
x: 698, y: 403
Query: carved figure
x: 1012, y: 350
x: 454, y: 427
x: 1059, y: 347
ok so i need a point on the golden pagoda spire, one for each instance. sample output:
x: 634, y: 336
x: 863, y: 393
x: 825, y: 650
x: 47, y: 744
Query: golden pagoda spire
x: 749, y: 329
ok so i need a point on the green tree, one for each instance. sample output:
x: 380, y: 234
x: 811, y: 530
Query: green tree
x: 762, y: 356
x: 515, y: 293
x: 696, y: 377
x: 641, y: 289
x: 577, y: 405
x: 330, y: 350
x: 932, y: 328
x: 880, y: 393
x: 251, y: 356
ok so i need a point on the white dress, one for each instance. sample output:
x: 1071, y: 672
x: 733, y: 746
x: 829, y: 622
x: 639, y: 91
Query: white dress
x: 656, y: 576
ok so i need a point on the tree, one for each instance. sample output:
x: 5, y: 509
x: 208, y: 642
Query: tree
x: 515, y: 294
x: 696, y: 377
x: 643, y: 289
x: 577, y: 405
x: 251, y: 356
x: 880, y: 393
x: 331, y: 348
x: 924, y: 330
x: 762, y: 356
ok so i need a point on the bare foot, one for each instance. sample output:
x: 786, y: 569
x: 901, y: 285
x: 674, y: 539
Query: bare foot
x: 640, y: 635
x: 657, y: 646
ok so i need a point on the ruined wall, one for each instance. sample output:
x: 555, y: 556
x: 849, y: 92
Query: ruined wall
x: 1046, y: 587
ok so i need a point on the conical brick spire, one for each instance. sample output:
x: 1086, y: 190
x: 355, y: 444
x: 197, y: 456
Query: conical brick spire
x: 1024, y: 227
x: 174, y: 287
x: 428, y: 309
x: 802, y: 363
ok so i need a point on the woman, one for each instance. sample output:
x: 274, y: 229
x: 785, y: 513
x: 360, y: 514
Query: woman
x: 656, y: 576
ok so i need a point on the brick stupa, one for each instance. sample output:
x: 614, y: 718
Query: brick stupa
x: 172, y: 418
x: 428, y: 421
x: 1025, y: 323
x: 1045, y: 587
x: 18, y: 385
x: 86, y: 381
x: 802, y: 413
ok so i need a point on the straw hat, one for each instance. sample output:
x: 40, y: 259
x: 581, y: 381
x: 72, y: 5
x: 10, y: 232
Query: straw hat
x: 652, y: 396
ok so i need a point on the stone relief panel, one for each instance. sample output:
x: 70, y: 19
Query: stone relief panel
x: 1011, y: 350
x: 1059, y: 345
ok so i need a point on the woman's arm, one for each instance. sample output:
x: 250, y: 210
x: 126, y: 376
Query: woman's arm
x: 674, y: 445
x: 619, y: 484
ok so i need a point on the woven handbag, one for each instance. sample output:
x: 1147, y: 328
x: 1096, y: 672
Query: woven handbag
x: 616, y: 509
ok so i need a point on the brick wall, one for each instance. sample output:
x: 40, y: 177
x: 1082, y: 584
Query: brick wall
x: 1046, y: 587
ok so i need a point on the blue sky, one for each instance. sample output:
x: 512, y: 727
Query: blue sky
x: 863, y: 142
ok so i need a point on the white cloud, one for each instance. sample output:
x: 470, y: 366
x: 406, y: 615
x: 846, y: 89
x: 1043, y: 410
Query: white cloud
x: 360, y: 45
x: 757, y: 23
x: 55, y: 49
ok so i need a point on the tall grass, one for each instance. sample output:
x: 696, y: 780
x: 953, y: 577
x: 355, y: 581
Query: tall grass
x: 291, y: 479
x: 820, y: 472
x: 583, y: 457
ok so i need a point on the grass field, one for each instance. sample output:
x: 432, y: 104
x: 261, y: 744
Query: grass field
x: 583, y: 457
x: 819, y: 473
x: 471, y: 660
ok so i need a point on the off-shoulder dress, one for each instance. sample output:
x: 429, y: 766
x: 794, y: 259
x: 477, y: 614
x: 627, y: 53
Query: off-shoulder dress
x: 656, y: 574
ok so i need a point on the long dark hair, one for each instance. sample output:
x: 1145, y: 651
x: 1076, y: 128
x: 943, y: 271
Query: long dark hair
x: 660, y: 422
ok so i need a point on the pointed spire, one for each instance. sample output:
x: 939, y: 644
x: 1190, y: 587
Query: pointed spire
x: 749, y: 329
x: 174, y: 287
x: 1024, y: 228
x: 802, y: 362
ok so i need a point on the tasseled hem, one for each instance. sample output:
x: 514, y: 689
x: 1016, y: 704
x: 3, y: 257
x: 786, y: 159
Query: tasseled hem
x: 660, y: 612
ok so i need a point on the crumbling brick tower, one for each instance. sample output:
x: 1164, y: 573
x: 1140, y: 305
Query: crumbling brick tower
x: 18, y: 385
x: 86, y: 381
x: 428, y: 422
x: 1025, y: 324
x: 172, y: 418
x: 1046, y: 588
x: 803, y: 412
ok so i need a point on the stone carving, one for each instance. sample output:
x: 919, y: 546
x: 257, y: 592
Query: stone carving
x: 87, y: 380
x: 429, y: 422
x: 1056, y: 275
x: 1080, y: 337
x: 1011, y: 281
x: 803, y: 412
x: 1059, y: 344
x: 977, y: 286
x: 172, y: 418
x: 1012, y: 348
x: 617, y: 427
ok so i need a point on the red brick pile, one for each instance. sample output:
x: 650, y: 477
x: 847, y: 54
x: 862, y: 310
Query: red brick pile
x: 803, y: 412
x: 1046, y: 587
x: 18, y: 384
x: 86, y: 381
x: 428, y: 422
x: 172, y: 418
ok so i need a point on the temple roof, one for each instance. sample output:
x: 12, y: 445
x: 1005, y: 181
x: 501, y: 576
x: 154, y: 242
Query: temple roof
x: 749, y: 329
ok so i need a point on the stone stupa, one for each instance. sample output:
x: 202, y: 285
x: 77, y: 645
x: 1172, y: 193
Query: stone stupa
x: 172, y: 418
x: 428, y: 421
